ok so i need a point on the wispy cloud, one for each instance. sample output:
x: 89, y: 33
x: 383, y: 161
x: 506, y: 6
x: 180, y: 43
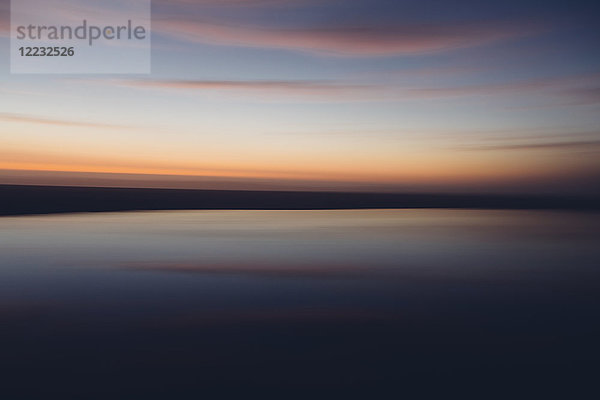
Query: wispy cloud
x: 583, y: 95
x: 588, y: 145
x: 238, y: 3
x: 303, y: 89
x: 233, y: 85
x: 7, y: 117
x: 342, y: 90
x: 368, y: 39
x: 475, y: 90
x: 561, y: 85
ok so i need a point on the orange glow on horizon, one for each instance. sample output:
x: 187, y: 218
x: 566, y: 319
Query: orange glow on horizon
x: 432, y: 174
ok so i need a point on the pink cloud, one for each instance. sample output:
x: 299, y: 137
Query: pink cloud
x: 355, y: 40
x: 580, y: 88
x: 48, y: 121
x: 242, y: 3
x: 302, y: 89
x: 343, y: 90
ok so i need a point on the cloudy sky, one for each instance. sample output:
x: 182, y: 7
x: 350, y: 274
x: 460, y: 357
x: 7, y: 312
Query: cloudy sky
x: 325, y: 94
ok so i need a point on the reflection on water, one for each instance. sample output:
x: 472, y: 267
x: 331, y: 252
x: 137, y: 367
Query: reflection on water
x: 354, y: 299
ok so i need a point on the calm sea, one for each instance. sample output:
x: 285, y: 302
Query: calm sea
x: 179, y: 304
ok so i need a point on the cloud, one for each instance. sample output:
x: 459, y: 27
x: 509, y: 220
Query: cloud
x: 342, y: 89
x: 474, y: 90
x: 558, y: 82
x: 233, y: 85
x: 310, y: 89
x: 592, y: 145
x: 584, y: 95
x: 7, y: 117
x: 559, y: 87
x: 237, y: 3
x: 368, y: 39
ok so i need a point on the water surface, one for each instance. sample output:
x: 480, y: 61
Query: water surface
x: 165, y: 303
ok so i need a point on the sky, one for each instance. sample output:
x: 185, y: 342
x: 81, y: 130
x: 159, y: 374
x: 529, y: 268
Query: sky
x: 384, y: 95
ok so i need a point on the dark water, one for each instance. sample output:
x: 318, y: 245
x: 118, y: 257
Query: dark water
x: 381, y: 303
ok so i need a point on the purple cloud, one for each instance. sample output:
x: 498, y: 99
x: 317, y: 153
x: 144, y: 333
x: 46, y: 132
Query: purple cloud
x: 351, y: 40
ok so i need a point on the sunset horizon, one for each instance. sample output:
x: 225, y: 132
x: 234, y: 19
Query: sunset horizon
x: 337, y: 199
x: 475, y: 98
